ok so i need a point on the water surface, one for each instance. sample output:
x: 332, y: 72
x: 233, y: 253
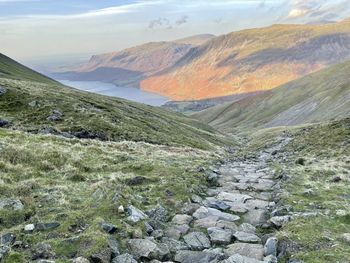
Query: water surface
x: 120, y: 92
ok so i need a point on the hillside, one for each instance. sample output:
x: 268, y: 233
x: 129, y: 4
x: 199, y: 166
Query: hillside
x: 195, y: 40
x: 13, y: 70
x: 253, y: 60
x: 323, y: 95
x: 49, y: 107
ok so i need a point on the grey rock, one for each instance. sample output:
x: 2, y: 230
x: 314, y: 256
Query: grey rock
x: 144, y: 248
x: 282, y: 210
x: 7, y: 239
x: 217, y: 204
x: 206, y: 222
x: 109, y: 228
x: 175, y: 245
x: 346, y: 237
x: 270, y: 247
x: 241, y: 259
x: 271, y: 259
x: 42, y: 251
x: 157, y: 234
x: 255, y: 251
x: 45, y: 261
x: 182, y: 219
x: 135, y: 214
x: 103, y: 256
x: 33, y: 104
x: 55, y: 116
x: 189, y: 208
x: 3, y: 90
x: 227, y: 225
x: 255, y: 216
x: 158, y: 217
x: 29, y: 228
x: 125, y: 258
x: 220, y: 236
x: 197, y: 240
x: 248, y: 228
x: 233, y: 197
x: 196, y: 256
x: 204, y: 212
x: 148, y: 228
x: 196, y: 199
x: 114, y: 246
x: 4, y: 123
x: 279, y: 221
x: 246, y: 237
x: 80, y: 260
x: 11, y: 204
x: 176, y: 231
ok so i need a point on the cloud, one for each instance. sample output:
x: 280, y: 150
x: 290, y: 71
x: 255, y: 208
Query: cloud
x: 160, y: 23
x: 320, y: 9
x: 181, y: 20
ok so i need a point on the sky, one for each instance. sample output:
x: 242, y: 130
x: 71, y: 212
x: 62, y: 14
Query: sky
x: 58, y: 28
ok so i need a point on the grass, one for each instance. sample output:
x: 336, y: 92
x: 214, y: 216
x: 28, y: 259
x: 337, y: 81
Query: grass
x: 74, y: 182
x: 325, y: 150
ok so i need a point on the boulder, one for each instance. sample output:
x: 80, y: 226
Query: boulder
x: 11, y: 204
x: 217, y: 204
x: 3, y: 90
x: 346, y: 238
x: 246, y: 237
x: 197, y: 240
x: 248, y: 228
x: 135, y: 214
x: 7, y: 239
x: 279, y: 221
x: 175, y: 245
x: 220, y: 236
x: 270, y: 247
x: 80, y: 260
x: 42, y: 251
x: 241, y: 259
x: 125, y: 258
x: 46, y: 226
x: 196, y: 256
x: 144, y: 248
x: 4, y: 123
x: 255, y: 251
x: 158, y: 217
x: 109, y: 228
x: 182, y: 219
x: 204, y: 212
x: 103, y: 256
x: 233, y: 197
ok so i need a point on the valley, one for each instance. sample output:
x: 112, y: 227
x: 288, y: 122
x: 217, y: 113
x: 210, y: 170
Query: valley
x: 249, y: 162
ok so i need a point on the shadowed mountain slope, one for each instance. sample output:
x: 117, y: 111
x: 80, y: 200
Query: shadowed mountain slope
x: 323, y: 95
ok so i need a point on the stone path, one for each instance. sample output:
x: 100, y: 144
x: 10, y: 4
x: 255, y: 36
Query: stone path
x: 221, y: 227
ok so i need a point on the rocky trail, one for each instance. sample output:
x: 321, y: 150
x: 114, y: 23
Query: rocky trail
x: 226, y: 225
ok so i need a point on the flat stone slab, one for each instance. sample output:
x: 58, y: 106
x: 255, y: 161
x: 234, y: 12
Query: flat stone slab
x: 241, y: 259
x: 255, y: 216
x: 204, y: 212
x: 197, y: 240
x: 255, y: 251
x: 233, y: 197
x: 182, y: 219
x: 220, y: 236
x: 196, y: 256
x: 246, y: 237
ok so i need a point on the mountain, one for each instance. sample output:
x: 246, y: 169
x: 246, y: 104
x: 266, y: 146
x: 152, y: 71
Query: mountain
x: 130, y: 66
x: 320, y: 96
x: 252, y: 60
x: 195, y: 40
x: 49, y: 107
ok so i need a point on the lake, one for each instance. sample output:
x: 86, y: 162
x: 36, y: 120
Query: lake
x: 108, y: 89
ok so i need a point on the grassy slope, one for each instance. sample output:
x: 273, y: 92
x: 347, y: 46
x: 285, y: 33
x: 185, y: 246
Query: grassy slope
x: 13, y: 70
x: 73, y: 182
x: 316, y: 97
x: 81, y: 183
x: 108, y: 118
x: 325, y: 150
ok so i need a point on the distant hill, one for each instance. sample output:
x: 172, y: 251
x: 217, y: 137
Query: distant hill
x: 321, y: 96
x: 128, y: 67
x: 253, y: 60
x: 32, y: 102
